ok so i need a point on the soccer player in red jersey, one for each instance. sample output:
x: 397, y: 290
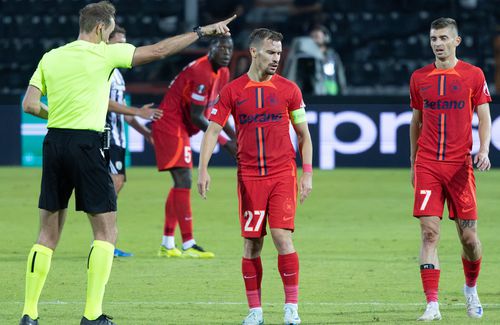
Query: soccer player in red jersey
x: 444, y: 96
x: 263, y: 104
x: 185, y: 105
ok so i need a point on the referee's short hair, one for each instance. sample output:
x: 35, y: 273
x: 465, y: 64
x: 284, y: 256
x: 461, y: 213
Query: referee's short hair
x: 95, y: 13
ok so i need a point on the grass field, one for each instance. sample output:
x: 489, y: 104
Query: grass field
x: 357, y: 242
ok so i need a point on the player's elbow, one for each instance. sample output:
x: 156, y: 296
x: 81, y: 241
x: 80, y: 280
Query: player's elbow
x: 29, y: 106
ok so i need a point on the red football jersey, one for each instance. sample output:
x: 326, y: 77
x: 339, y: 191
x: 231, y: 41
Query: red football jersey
x: 261, y: 113
x: 197, y: 83
x: 447, y: 99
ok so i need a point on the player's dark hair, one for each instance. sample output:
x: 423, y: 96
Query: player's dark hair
x: 216, y: 39
x: 260, y: 34
x: 95, y: 13
x: 442, y: 22
x: 117, y: 30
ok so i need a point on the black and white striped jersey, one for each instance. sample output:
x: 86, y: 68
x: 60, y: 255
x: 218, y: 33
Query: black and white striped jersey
x: 117, y: 121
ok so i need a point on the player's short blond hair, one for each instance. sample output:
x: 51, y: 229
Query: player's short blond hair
x: 260, y: 34
x: 95, y: 13
x: 443, y: 22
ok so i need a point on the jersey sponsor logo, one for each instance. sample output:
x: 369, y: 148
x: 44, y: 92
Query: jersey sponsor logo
x: 444, y: 104
x: 251, y: 118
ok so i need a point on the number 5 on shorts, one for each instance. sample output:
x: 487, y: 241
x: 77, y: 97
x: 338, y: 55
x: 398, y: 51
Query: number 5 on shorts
x: 249, y: 216
x: 427, y: 194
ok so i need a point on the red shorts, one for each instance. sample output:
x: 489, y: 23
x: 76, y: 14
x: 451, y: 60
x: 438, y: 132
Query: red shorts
x: 436, y: 182
x: 273, y: 200
x: 172, y: 151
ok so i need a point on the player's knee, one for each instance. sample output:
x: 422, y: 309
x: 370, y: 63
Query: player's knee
x: 470, y: 240
x: 430, y: 236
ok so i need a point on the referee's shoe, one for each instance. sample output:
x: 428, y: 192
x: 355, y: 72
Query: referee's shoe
x: 26, y: 320
x: 101, y: 320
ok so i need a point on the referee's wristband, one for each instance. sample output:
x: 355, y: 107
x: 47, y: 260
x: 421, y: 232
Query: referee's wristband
x: 307, y: 168
x: 198, y: 31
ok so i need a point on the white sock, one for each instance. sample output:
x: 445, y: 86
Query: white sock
x: 256, y: 309
x: 434, y: 303
x: 168, y: 242
x: 294, y: 306
x: 188, y: 244
x: 470, y: 290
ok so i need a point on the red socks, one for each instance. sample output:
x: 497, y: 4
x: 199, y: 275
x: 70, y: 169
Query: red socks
x: 430, y: 282
x: 471, y: 271
x: 178, y: 209
x: 252, y: 275
x: 170, y: 216
x: 288, y: 266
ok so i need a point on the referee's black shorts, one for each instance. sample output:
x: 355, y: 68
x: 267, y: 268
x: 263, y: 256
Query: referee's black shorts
x: 73, y: 159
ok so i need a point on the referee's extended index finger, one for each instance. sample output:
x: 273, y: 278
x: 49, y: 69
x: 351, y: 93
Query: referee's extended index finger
x: 230, y: 19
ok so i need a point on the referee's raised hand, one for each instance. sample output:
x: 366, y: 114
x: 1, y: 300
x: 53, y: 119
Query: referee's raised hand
x: 219, y: 28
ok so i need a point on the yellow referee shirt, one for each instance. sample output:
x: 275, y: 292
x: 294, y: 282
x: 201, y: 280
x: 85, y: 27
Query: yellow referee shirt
x: 76, y: 80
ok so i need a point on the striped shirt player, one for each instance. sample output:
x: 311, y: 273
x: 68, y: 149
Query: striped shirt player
x: 116, y: 121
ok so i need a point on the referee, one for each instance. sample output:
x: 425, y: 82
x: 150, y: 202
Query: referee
x: 76, y: 80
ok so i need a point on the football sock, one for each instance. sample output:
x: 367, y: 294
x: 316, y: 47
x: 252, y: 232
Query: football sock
x: 288, y: 266
x: 183, y: 212
x: 251, y: 269
x: 37, y: 268
x: 168, y: 242
x: 170, y: 215
x: 430, y: 281
x: 471, y: 271
x: 98, y: 270
x: 188, y: 244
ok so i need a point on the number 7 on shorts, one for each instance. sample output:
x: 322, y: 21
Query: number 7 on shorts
x: 427, y: 194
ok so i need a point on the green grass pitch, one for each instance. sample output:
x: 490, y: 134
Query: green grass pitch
x: 356, y: 239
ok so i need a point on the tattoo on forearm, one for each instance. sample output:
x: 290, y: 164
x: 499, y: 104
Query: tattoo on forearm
x: 467, y: 223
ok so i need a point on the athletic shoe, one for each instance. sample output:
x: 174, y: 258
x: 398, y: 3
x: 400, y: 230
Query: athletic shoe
x: 196, y: 251
x: 431, y: 312
x: 101, y: 320
x: 473, y: 305
x: 120, y: 253
x: 254, y: 318
x: 165, y: 252
x: 291, y: 315
x: 26, y: 320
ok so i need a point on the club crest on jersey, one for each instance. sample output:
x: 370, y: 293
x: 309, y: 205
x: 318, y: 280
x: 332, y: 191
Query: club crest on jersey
x: 272, y: 99
x: 455, y: 86
x: 200, y: 89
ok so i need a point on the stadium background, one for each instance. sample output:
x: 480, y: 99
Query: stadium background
x: 379, y: 42
x: 357, y: 240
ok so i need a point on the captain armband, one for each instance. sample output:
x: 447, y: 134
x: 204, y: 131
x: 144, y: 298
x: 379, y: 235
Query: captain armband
x: 298, y: 116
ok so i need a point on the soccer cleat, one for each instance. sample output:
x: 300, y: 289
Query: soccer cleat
x: 431, y: 312
x: 473, y: 305
x: 120, y: 253
x: 101, y: 320
x: 291, y: 315
x: 254, y: 318
x: 26, y: 320
x: 165, y: 252
x: 196, y: 251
